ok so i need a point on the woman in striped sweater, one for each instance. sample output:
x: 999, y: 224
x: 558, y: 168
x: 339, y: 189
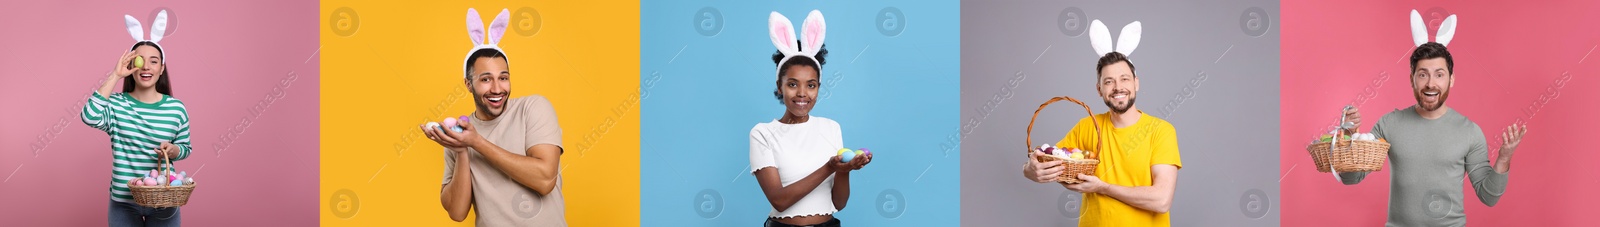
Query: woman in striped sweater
x: 146, y: 124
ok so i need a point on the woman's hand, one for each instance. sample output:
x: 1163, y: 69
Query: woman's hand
x: 854, y: 164
x: 1041, y: 172
x: 167, y: 150
x: 124, y: 66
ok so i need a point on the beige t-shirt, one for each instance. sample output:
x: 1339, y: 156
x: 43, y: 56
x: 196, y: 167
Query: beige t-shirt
x: 499, y: 200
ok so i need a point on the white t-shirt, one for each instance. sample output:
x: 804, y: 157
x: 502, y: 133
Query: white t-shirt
x: 796, y: 150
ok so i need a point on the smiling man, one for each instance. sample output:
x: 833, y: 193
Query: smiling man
x: 1432, y: 148
x: 504, y: 160
x: 1137, y: 175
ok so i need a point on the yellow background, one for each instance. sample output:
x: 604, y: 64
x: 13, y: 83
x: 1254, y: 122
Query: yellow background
x: 403, y: 66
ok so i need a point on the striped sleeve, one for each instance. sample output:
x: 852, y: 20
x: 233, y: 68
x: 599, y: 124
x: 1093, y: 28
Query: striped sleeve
x: 97, y: 113
x: 182, y: 138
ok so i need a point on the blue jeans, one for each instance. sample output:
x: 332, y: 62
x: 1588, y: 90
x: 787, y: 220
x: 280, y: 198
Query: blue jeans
x: 132, y: 215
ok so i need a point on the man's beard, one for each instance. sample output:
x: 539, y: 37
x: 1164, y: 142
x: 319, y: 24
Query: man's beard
x: 1121, y: 109
x: 1444, y: 94
x: 477, y: 101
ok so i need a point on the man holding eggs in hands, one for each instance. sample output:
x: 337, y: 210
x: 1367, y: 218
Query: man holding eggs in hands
x: 507, y: 154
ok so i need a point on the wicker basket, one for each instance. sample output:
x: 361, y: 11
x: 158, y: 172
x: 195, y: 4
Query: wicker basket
x: 164, y: 195
x: 1071, y: 168
x: 1349, y: 155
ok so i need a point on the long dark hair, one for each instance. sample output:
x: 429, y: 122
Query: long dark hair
x: 163, y: 84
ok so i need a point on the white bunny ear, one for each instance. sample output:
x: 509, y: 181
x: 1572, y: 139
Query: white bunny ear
x: 1100, y: 38
x: 1447, y: 30
x: 158, y: 28
x: 475, y: 27
x: 497, y: 28
x: 1419, y: 29
x: 134, y: 28
x: 782, y: 33
x: 1129, y: 39
x: 812, y: 33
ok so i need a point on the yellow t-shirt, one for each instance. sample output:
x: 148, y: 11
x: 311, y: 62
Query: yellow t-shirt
x: 1125, y: 160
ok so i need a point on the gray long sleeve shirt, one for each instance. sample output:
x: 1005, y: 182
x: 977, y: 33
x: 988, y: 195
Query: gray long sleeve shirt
x: 1428, y: 159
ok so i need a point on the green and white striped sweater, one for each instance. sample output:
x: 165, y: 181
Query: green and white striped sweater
x: 136, y: 130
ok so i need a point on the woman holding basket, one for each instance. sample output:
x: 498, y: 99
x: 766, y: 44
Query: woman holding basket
x: 793, y: 157
x: 1137, y: 173
x: 146, y: 124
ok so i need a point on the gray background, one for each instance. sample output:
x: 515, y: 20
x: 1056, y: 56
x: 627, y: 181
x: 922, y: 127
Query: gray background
x: 1201, y: 65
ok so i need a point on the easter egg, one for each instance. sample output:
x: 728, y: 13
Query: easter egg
x: 864, y: 151
x: 177, y: 183
x: 449, y: 122
x: 153, y: 173
x: 434, y: 127
x: 138, y: 62
x: 135, y: 182
x: 1078, y: 155
x: 843, y: 150
x: 860, y: 152
x: 463, y: 119
x: 847, y: 156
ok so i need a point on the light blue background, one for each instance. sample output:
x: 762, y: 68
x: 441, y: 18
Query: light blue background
x: 896, y: 93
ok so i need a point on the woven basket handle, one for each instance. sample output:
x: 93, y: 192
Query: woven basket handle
x: 1099, y: 139
x: 164, y: 169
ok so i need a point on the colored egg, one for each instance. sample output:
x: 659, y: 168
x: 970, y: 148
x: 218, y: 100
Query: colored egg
x: 149, y: 181
x: 865, y: 151
x: 842, y: 151
x: 177, y: 183
x: 847, y: 156
x: 153, y: 173
x: 463, y: 119
x: 449, y: 122
x: 138, y: 61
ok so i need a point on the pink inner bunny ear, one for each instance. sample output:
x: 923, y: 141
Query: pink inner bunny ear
x: 134, y: 28
x: 782, y: 33
x: 475, y: 27
x: 813, y: 32
x: 497, y: 28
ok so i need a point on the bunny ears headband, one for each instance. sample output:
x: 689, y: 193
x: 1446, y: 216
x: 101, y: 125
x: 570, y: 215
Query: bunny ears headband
x: 1100, y: 37
x: 157, y: 29
x: 476, y: 31
x: 810, y: 39
x: 1419, y: 30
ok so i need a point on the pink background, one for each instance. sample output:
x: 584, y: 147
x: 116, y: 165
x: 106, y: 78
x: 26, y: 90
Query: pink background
x: 1507, y: 55
x: 225, y: 57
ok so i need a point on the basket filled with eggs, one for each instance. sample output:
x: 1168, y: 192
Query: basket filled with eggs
x: 1359, y: 152
x: 1074, y: 161
x: 162, y: 187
